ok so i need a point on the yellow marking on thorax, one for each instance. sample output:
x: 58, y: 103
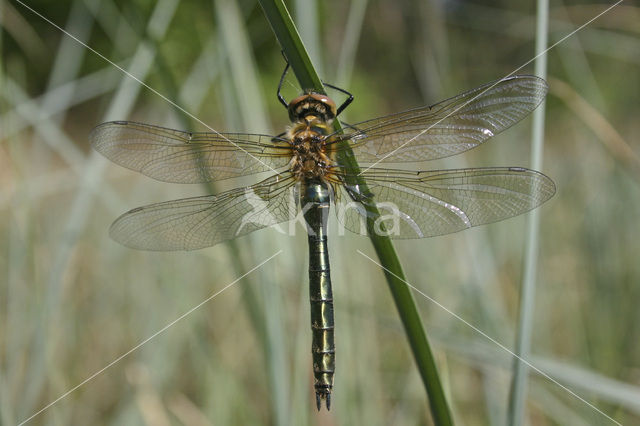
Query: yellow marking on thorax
x: 308, y: 140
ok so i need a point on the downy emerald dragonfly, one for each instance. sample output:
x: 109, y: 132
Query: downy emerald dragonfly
x: 415, y: 204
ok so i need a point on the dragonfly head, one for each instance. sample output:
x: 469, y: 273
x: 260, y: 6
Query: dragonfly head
x: 313, y: 104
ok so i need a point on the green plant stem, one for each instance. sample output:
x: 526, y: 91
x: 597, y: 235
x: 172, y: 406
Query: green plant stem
x: 294, y: 50
x: 519, y: 384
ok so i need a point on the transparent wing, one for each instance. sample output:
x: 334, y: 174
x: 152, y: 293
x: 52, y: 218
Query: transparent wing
x: 194, y: 223
x: 449, y: 127
x: 425, y: 204
x: 183, y: 157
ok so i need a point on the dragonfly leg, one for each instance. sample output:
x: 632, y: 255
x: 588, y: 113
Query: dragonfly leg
x: 350, y: 126
x: 286, y: 105
x: 278, y: 137
x: 284, y: 73
x: 346, y: 102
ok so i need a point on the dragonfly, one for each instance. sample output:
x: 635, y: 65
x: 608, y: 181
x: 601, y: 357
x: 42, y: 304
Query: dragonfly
x: 311, y: 175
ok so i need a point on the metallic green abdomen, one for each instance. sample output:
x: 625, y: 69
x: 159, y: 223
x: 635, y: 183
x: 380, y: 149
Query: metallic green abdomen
x: 314, y: 201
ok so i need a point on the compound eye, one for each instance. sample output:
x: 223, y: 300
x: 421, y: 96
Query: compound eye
x: 297, y: 100
x: 327, y: 101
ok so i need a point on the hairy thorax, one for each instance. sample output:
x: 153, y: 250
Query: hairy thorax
x: 308, y: 138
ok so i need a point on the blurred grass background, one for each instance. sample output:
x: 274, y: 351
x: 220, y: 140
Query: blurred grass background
x: 73, y: 300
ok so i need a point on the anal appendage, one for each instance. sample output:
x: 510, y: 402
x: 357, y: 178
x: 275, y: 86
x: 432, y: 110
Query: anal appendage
x: 323, y: 395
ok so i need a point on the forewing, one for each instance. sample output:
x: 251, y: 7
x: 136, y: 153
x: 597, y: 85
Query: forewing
x: 195, y: 223
x: 449, y: 127
x: 425, y: 204
x: 183, y: 157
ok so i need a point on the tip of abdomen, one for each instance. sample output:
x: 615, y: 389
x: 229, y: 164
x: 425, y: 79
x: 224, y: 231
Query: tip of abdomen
x: 323, y: 394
